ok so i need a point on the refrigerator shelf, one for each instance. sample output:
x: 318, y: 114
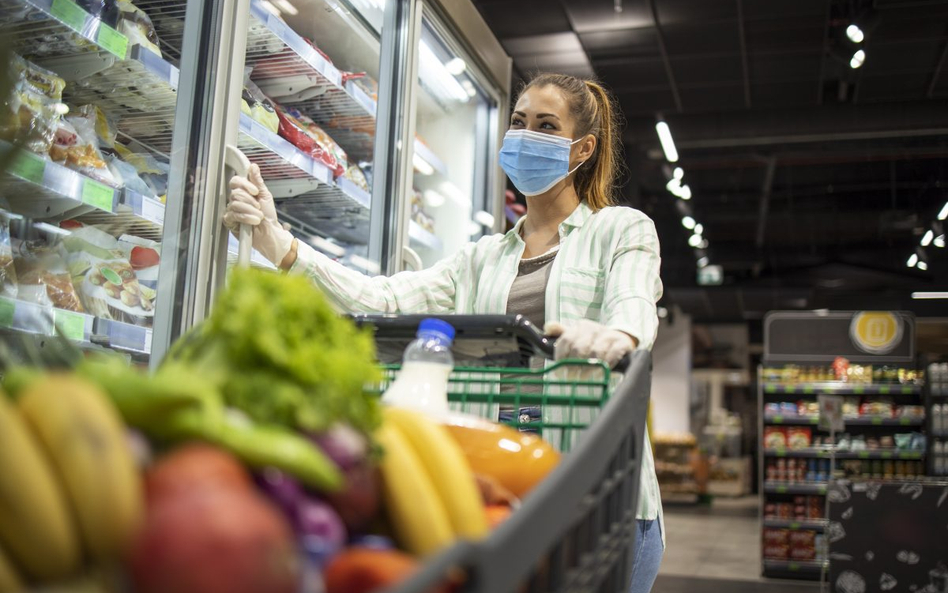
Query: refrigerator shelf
x: 25, y: 317
x: 792, y: 419
x: 796, y: 524
x: 774, y: 487
x: 136, y: 215
x: 140, y: 92
x: 58, y: 28
x: 423, y: 238
x: 841, y: 388
x: 824, y: 453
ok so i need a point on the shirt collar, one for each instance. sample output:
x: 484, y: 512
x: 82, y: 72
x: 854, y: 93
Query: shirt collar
x: 575, y: 220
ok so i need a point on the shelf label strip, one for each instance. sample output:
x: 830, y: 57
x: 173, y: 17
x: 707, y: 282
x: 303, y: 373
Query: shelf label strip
x: 98, y: 195
x: 112, y: 41
x: 28, y: 166
x: 6, y: 313
x: 70, y: 14
x: 72, y: 325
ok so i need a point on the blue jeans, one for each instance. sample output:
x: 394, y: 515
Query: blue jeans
x: 647, y: 555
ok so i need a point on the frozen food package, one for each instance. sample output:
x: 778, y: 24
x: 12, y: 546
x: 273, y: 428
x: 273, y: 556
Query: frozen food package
x: 355, y: 175
x: 298, y: 130
x: 135, y: 24
x: 153, y: 172
x: 106, y: 10
x: 365, y: 83
x: 105, y: 280
x: 79, y: 149
x: 127, y: 176
x: 144, y: 256
x: 7, y: 269
x: 93, y: 124
x: 30, y: 114
x: 260, y: 108
x: 42, y: 277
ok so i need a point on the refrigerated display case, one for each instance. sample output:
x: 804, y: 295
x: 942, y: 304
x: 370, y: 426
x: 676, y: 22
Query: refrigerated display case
x: 338, y: 101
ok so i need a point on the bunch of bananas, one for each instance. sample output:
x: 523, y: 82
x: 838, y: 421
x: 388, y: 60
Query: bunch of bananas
x: 70, y: 488
x: 428, y: 487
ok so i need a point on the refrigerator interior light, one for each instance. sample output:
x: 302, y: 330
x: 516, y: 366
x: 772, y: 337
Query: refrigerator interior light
x: 688, y: 222
x: 451, y: 191
x: 469, y: 87
x: 455, y: 66
x: 668, y: 144
x: 859, y: 58
x: 433, y: 199
x: 327, y: 246
x: 943, y: 214
x: 927, y: 238
x: 437, y: 78
x: 286, y: 7
x: 473, y: 228
x: 484, y: 218
x: 421, y: 165
x: 270, y: 7
x: 699, y: 229
x: 694, y: 240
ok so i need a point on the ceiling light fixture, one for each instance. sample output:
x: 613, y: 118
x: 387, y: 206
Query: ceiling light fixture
x: 858, y: 59
x: 939, y: 241
x: 855, y: 34
x: 704, y: 244
x: 927, y: 238
x: 688, y: 222
x: 921, y: 265
x: 694, y: 240
x: 930, y: 295
x: 668, y: 144
x: 679, y: 173
x: 703, y: 261
x: 912, y: 260
x: 944, y: 212
x: 699, y: 229
x: 684, y: 193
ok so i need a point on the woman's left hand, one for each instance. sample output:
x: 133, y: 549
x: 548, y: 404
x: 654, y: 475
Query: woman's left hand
x: 588, y: 339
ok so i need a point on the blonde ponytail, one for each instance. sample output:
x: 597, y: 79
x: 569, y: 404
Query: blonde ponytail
x: 591, y: 106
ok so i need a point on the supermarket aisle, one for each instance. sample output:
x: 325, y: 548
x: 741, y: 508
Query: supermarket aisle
x: 716, y: 548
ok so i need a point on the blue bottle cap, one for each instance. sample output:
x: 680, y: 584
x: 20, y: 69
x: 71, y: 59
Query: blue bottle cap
x: 436, y: 326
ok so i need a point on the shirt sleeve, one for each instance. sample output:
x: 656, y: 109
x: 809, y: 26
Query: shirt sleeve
x: 426, y: 291
x: 633, y: 286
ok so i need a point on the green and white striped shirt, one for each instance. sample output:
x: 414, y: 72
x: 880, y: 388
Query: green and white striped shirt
x: 607, y: 271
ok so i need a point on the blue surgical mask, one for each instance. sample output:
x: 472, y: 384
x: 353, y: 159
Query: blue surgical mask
x: 534, y: 161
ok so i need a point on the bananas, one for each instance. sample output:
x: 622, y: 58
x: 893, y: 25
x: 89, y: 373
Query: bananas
x: 428, y: 487
x: 448, y: 469
x: 10, y: 581
x: 85, y: 439
x: 35, y: 527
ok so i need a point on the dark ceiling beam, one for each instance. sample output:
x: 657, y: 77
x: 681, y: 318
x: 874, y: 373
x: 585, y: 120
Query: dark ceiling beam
x: 937, y: 73
x: 666, y: 61
x: 826, y: 28
x: 796, y: 125
x: 744, y: 67
x: 765, y: 201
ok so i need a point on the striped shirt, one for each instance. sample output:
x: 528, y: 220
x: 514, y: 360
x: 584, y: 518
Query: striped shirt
x: 607, y: 271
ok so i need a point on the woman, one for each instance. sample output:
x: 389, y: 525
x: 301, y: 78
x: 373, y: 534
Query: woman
x: 585, y: 270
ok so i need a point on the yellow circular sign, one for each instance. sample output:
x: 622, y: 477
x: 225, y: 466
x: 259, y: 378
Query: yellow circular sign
x: 876, y: 332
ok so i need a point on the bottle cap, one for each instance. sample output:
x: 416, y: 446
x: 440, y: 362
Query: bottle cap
x: 436, y: 326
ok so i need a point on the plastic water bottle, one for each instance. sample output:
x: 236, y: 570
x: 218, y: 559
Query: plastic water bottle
x: 422, y: 384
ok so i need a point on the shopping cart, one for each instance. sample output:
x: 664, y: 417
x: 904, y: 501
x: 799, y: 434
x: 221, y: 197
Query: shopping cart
x: 575, y: 531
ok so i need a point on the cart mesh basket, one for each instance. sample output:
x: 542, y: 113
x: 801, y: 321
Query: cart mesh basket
x: 575, y: 531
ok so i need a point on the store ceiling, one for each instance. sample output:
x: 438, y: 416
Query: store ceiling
x: 814, y: 181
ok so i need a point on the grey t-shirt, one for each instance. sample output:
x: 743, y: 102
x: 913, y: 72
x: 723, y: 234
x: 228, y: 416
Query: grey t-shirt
x: 528, y: 293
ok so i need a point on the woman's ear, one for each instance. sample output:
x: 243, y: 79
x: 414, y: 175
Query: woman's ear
x: 586, y: 148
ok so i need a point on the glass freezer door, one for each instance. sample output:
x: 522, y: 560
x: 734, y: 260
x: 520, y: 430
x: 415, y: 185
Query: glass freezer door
x: 454, y: 191
x: 85, y: 138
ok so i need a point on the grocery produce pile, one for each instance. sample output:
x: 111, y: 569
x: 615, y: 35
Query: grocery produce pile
x: 253, y: 460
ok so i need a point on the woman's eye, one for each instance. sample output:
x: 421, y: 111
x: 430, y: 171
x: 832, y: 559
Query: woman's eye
x: 547, y: 126
x: 516, y: 122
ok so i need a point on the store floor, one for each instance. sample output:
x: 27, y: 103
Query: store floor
x: 714, y: 548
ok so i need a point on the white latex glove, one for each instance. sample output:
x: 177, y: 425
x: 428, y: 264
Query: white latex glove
x: 588, y: 339
x: 250, y: 202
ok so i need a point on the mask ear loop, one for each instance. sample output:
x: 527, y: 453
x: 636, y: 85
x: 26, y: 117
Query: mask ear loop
x: 582, y: 162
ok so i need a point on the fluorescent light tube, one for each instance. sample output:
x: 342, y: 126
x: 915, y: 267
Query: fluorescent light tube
x: 668, y: 144
x: 930, y: 295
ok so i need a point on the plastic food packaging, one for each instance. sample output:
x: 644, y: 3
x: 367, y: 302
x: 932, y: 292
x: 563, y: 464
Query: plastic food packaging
x: 151, y: 171
x: 355, y: 175
x: 7, y: 269
x: 775, y: 437
x: 76, y: 145
x: 106, y: 10
x: 31, y: 113
x: 303, y: 133
x: 106, y: 282
x: 42, y: 277
x: 259, y: 107
x: 135, y: 24
x: 126, y: 175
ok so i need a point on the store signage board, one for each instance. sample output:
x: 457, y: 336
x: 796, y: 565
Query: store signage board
x: 866, y: 337
x: 831, y: 413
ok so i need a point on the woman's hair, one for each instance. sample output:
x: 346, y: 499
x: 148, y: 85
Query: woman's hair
x: 592, y: 109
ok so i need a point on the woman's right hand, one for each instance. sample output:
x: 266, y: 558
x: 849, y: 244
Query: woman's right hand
x: 250, y: 202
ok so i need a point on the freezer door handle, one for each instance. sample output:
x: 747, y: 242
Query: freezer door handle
x: 238, y: 162
x: 411, y: 259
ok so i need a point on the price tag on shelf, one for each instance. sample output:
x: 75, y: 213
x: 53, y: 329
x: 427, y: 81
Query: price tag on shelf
x: 148, y: 335
x: 905, y: 421
x: 831, y: 412
x: 153, y: 211
x: 70, y: 14
x: 808, y: 389
x: 72, y: 325
x: 794, y: 525
x: 770, y: 389
x: 777, y: 419
x: 790, y: 389
x: 886, y: 455
x: 7, y: 307
x: 781, y: 489
x: 859, y: 389
x: 877, y: 421
x: 884, y: 389
x: 28, y: 166
x: 863, y: 454
x: 907, y: 390
x: 112, y: 41
x: 98, y: 195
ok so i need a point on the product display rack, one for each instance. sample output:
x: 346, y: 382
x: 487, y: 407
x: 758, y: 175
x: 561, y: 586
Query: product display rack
x: 674, y: 466
x: 936, y: 409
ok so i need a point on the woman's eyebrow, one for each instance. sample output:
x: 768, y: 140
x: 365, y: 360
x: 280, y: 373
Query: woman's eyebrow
x: 539, y: 115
